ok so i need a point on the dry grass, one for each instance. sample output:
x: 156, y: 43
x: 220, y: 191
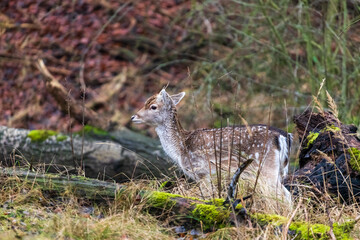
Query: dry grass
x: 28, y: 213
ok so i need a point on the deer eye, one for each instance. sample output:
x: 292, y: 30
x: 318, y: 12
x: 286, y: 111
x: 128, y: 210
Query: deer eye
x: 153, y: 107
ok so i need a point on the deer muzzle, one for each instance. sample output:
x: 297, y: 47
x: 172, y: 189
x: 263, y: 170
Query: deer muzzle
x: 135, y: 119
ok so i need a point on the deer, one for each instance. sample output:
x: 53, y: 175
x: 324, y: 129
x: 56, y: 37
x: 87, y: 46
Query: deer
x: 200, y: 153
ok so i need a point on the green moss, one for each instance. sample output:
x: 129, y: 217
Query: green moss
x: 210, y: 215
x: 330, y: 128
x: 40, y: 135
x: 354, y: 158
x: 342, y: 231
x: 310, y: 231
x: 314, y: 135
x: 95, y: 131
x: 162, y: 200
x: 61, y: 137
x: 164, y: 184
x: 321, y: 231
x: 217, y: 201
x: 239, y: 206
x: 273, y: 219
x: 304, y: 230
x: 311, y: 138
x: 79, y: 177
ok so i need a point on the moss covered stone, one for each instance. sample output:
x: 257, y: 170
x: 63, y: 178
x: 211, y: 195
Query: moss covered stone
x: 210, y: 215
x: 354, y: 158
x: 40, y: 135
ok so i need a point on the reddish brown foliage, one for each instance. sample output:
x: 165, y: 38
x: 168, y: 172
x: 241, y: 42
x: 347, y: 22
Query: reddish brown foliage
x: 64, y: 33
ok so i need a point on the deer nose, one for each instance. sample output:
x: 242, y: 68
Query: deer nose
x: 132, y: 117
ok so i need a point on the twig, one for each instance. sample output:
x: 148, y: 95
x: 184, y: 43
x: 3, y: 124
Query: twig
x: 232, y: 186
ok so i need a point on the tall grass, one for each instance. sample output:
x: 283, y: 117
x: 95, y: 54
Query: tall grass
x: 282, y: 49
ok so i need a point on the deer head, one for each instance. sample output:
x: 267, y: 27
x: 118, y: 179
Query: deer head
x: 158, y: 108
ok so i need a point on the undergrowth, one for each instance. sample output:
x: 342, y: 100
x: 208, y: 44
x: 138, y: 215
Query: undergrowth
x: 29, y: 213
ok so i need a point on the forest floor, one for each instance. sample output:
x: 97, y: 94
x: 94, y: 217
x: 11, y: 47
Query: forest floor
x: 27, y: 212
x: 261, y: 60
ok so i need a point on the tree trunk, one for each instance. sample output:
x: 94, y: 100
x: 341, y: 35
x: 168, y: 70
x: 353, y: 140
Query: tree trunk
x: 121, y: 155
x: 329, y: 156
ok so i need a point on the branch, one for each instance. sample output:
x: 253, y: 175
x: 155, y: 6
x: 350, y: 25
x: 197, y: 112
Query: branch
x: 66, y: 101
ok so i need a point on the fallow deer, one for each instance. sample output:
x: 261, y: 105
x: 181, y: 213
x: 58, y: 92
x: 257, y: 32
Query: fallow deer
x: 199, y: 153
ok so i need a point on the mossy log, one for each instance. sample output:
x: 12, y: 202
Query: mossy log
x: 77, y: 185
x: 187, y: 211
x: 120, y: 155
x: 329, y: 156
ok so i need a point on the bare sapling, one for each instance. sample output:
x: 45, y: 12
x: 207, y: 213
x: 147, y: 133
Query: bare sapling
x: 200, y: 153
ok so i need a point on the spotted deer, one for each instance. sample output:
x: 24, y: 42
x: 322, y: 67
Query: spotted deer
x: 201, y: 152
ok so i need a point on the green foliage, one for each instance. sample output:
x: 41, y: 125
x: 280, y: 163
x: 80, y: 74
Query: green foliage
x: 279, y: 49
x: 40, y: 135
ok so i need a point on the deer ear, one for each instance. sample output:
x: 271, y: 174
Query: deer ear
x: 165, y: 97
x: 177, y: 97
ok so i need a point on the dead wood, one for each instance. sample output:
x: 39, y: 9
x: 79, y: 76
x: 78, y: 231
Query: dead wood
x: 325, y: 157
x: 92, y: 189
x: 188, y: 211
x: 120, y: 155
x: 176, y: 209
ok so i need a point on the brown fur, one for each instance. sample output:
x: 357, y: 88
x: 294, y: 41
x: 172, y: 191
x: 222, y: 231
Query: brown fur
x: 151, y: 100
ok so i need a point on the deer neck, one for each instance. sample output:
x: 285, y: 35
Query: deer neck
x: 172, y: 138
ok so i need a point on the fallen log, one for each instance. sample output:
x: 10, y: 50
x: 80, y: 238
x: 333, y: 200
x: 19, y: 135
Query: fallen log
x: 329, y: 156
x: 79, y: 186
x: 120, y: 155
x: 187, y: 211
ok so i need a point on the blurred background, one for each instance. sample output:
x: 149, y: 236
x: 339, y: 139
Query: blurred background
x: 262, y: 59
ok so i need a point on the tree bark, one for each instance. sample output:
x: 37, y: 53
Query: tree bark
x: 121, y: 155
x: 326, y: 157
